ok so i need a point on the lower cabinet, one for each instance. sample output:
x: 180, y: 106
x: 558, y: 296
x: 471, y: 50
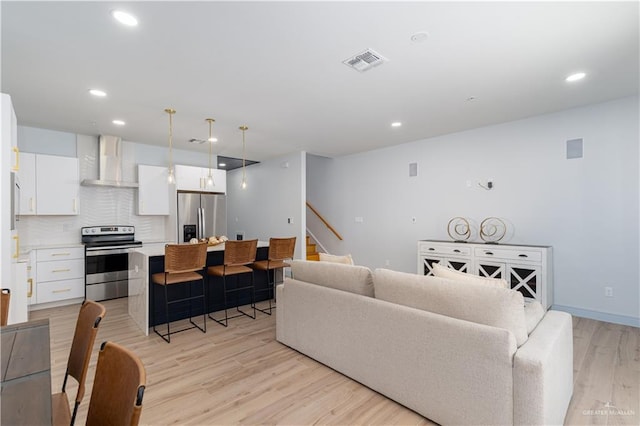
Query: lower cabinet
x: 60, y: 274
x: 527, y: 269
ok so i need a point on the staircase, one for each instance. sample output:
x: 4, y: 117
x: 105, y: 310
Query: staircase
x: 312, y: 253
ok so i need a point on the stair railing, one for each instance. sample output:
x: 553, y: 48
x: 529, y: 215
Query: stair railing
x: 317, y: 242
x: 323, y: 220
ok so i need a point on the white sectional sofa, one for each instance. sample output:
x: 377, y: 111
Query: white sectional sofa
x: 455, y: 352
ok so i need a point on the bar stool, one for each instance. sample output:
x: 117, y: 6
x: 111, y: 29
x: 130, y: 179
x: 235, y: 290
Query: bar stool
x: 237, y: 255
x: 4, y: 311
x: 280, y: 249
x: 89, y: 318
x: 181, y: 265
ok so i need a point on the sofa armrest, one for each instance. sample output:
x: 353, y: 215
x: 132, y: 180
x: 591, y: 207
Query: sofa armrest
x: 543, y: 372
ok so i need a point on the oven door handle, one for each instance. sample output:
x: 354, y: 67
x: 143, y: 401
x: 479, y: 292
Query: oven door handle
x: 103, y: 252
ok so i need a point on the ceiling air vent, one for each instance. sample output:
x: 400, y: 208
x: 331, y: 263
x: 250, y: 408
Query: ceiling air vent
x: 365, y: 60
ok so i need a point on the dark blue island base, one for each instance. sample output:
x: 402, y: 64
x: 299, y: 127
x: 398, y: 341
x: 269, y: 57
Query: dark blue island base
x: 213, y: 291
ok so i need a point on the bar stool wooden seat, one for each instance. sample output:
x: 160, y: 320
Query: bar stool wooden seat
x: 182, y: 264
x: 237, y: 255
x: 280, y: 249
x: 89, y: 318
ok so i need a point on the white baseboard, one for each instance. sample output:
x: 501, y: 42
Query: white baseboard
x: 600, y: 316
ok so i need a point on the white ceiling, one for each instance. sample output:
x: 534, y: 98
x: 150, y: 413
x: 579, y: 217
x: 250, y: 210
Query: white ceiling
x: 277, y: 67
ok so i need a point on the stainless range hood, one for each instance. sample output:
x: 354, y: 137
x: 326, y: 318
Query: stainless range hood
x: 110, y: 167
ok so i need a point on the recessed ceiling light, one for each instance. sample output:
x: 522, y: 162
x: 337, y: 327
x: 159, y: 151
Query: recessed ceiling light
x: 212, y: 139
x: 419, y: 36
x: 396, y: 124
x: 118, y: 122
x: 125, y: 18
x: 222, y: 164
x: 97, y: 92
x: 575, y: 77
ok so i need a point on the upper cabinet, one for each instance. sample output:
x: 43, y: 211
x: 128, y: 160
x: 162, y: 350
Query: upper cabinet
x: 49, y: 185
x: 27, y: 176
x: 153, y: 190
x: 189, y: 178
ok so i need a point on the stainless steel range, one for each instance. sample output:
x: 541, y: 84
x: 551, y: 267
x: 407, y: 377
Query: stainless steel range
x: 107, y: 260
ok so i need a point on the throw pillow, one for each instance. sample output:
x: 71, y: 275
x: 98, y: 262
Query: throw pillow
x: 354, y: 279
x: 452, y: 274
x: 326, y: 257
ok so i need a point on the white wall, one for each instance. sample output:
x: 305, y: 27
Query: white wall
x: 275, y: 192
x: 587, y: 208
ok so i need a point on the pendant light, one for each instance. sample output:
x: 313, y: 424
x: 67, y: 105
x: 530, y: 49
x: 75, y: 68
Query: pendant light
x: 211, y: 140
x: 244, y: 173
x: 171, y: 178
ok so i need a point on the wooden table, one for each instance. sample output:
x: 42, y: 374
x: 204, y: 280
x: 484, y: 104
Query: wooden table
x: 26, y: 374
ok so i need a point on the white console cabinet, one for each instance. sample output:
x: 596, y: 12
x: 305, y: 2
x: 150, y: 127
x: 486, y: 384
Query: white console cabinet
x: 527, y: 269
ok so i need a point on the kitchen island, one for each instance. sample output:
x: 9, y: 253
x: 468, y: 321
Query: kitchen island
x: 149, y: 259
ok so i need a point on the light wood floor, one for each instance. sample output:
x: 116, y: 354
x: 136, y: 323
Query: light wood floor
x: 243, y: 375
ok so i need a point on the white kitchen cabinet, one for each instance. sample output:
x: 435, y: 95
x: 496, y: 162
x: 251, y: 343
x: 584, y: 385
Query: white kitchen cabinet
x: 9, y: 163
x: 18, y: 311
x: 190, y: 178
x: 32, y: 279
x: 153, y: 190
x: 60, y: 273
x: 527, y: 269
x: 57, y: 185
x: 27, y: 176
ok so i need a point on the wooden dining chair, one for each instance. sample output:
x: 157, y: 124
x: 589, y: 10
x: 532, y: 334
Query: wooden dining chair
x: 4, y: 307
x: 118, y: 387
x: 182, y: 265
x: 237, y: 256
x: 280, y: 249
x: 89, y: 318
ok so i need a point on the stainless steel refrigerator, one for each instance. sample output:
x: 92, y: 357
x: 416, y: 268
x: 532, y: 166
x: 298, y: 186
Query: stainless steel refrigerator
x: 201, y: 215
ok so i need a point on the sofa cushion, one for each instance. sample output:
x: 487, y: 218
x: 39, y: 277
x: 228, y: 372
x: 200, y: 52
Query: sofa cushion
x: 533, y: 313
x: 444, y: 272
x: 489, y: 305
x: 354, y: 279
x: 326, y: 257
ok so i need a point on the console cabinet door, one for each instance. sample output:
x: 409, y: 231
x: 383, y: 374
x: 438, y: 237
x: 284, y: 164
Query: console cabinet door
x: 57, y: 185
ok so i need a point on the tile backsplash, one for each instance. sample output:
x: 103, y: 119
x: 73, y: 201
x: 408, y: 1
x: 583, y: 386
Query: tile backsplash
x: 98, y: 206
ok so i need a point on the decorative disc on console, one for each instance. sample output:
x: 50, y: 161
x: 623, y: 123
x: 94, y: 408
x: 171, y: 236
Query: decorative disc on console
x: 492, y: 230
x: 459, y: 229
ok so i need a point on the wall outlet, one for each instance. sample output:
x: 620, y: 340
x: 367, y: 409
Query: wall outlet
x: 359, y: 219
x: 387, y: 262
x: 289, y: 220
x: 608, y: 291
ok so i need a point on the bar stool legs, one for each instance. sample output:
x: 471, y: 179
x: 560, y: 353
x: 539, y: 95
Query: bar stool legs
x: 225, y: 323
x: 189, y: 298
